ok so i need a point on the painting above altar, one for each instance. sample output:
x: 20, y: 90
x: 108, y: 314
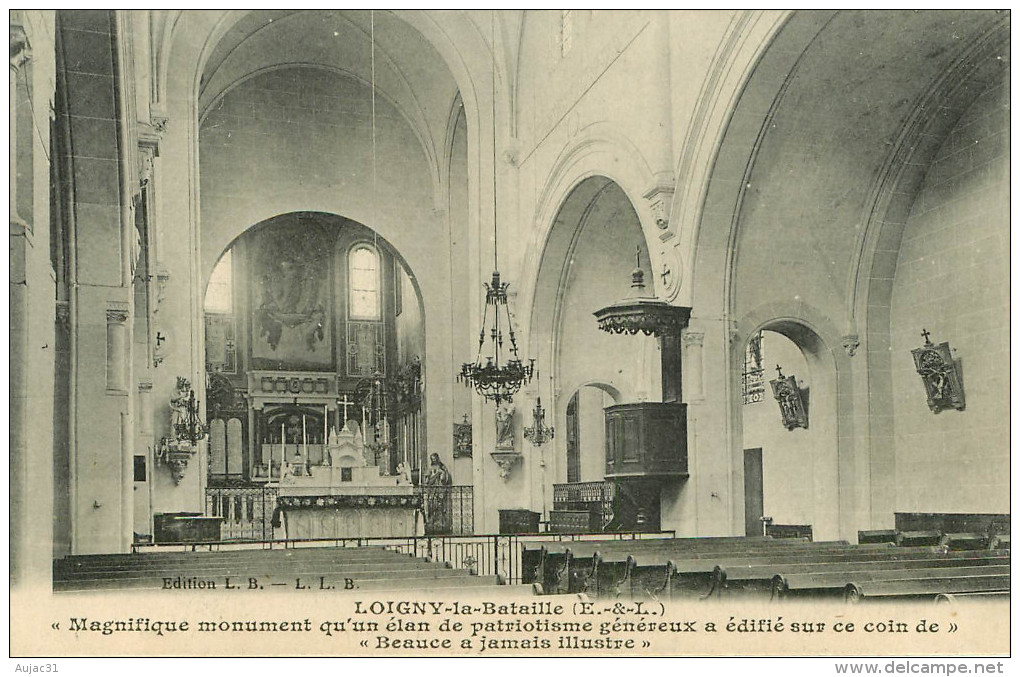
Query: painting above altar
x: 292, y: 317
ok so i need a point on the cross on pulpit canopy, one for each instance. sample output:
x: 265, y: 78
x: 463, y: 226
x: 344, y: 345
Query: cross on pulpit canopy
x: 926, y: 334
x: 346, y: 403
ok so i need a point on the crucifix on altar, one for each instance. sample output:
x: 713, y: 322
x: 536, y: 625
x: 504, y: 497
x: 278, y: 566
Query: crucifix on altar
x: 344, y: 402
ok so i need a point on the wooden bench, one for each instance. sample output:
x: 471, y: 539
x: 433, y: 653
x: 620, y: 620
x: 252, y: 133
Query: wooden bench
x: 647, y: 573
x: 915, y: 538
x: 542, y: 561
x: 580, y: 566
x: 927, y: 587
x: 559, y: 562
x: 966, y: 541
x: 704, y: 574
x: 876, y: 536
x: 764, y: 574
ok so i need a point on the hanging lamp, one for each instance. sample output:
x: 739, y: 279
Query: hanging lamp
x: 538, y: 433
x: 501, y: 373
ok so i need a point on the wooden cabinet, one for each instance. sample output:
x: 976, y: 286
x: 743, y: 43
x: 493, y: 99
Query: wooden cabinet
x: 518, y: 521
x: 646, y: 439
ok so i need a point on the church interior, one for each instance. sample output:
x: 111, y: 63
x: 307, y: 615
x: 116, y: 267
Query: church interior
x: 728, y: 280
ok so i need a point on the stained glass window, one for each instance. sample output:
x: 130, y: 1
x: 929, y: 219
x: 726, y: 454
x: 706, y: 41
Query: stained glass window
x: 363, y: 275
x: 753, y: 377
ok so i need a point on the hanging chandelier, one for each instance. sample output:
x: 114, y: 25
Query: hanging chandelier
x: 538, y: 433
x: 642, y: 312
x: 502, y: 374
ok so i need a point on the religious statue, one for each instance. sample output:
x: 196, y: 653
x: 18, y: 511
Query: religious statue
x: 437, y: 497
x: 791, y: 404
x: 403, y: 473
x: 937, y: 369
x: 504, y: 427
x: 176, y: 449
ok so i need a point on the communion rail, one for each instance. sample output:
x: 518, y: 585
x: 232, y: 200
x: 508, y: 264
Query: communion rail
x: 487, y: 554
x: 247, y: 511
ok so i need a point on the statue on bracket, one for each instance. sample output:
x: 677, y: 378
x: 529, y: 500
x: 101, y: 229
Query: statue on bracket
x: 791, y: 404
x: 186, y: 431
x: 935, y: 365
x: 504, y: 427
x: 505, y: 455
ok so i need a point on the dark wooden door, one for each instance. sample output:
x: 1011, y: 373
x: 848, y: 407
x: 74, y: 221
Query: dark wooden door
x: 754, y: 499
x: 573, y: 442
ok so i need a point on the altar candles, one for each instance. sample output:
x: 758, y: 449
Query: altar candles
x: 304, y: 435
x: 325, y: 429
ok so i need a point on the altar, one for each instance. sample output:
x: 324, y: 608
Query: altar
x: 344, y: 494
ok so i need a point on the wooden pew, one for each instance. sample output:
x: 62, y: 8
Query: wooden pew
x: 915, y: 538
x: 966, y: 541
x: 767, y: 574
x: 544, y: 562
x: 609, y: 570
x: 972, y: 597
x: 929, y: 587
x: 562, y: 562
x: 876, y: 536
x: 701, y: 574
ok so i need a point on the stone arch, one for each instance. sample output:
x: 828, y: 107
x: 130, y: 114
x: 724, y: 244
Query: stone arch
x: 598, y: 154
x: 584, y: 431
x: 831, y: 411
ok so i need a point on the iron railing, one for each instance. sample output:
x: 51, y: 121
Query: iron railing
x: 599, y: 496
x: 449, y: 510
x: 247, y: 512
x: 487, y: 554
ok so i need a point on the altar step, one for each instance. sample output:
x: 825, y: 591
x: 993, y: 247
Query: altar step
x: 332, y: 569
x: 161, y: 560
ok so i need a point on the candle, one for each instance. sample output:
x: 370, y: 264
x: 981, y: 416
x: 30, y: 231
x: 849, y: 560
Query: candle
x: 283, y: 447
x: 304, y: 436
x: 325, y: 429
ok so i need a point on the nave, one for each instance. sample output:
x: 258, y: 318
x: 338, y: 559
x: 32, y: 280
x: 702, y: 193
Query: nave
x: 465, y: 285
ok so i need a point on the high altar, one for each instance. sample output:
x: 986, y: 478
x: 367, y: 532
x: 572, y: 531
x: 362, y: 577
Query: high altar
x: 345, y: 494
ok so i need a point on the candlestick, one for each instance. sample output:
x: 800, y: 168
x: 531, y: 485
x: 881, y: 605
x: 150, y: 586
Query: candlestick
x: 304, y: 436
x: 283, y: 448
x: 325, y: 424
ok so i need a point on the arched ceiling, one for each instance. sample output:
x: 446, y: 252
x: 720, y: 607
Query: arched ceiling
x: 409, y: 72
x: 832, y: 129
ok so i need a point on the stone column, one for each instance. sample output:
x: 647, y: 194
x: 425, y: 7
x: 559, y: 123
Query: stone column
x: 693, y: 383
x: 19, y: 244
x: 146, y: 439
x: 118, y: 350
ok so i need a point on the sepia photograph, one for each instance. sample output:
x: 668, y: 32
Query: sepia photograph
x: 510, y: 333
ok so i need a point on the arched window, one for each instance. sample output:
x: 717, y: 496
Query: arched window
x: 363, y: 283
x: 218, y: 293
